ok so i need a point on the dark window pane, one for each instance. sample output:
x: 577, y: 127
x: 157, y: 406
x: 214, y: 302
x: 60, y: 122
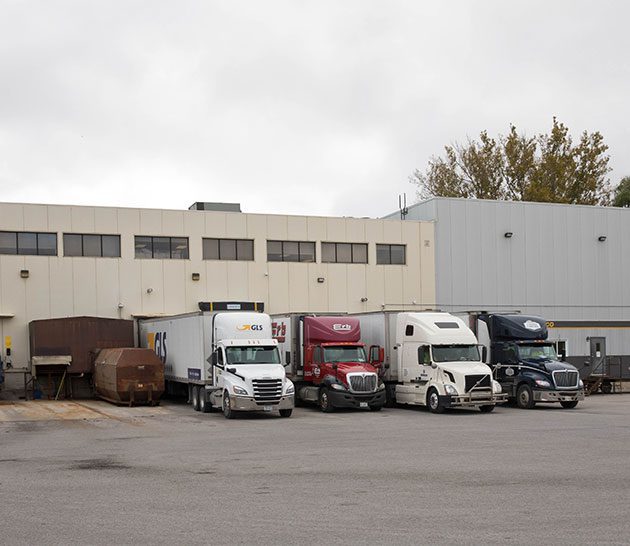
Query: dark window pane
x: 245, y: 250
x: 328, y: 253
x: 47, y: 244
x: 307, y: 252
x: 72, y: 245
x: 8, y: 242
x: 274, y: 251
x: 382, y: 254
x: 398, y: 254
x: 179, y: 248
x: 227, y: 249
x: 161, y: 248
x: 92, y: 245
x: 344, y: 253
x: 291, y: 251
x: 144, y: 247
x: 211, y: 249
x: 359, y: 253
x: 111, y: 246
x: 27, y: 243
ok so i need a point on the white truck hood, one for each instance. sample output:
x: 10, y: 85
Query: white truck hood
x: 465, y: 368
x: 259, y: 371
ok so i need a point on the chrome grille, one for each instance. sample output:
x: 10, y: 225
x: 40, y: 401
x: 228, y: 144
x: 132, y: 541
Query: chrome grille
x: 362, y: 382
x: 566, y: 379
x: 267, y: 391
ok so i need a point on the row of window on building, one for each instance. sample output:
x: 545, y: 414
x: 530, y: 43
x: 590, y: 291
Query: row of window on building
x: 148, y: 247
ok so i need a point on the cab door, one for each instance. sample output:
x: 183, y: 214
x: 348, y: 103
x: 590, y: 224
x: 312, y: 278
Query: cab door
x: 219, y: 369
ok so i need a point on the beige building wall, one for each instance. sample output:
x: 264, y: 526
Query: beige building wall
x: 125, y: 287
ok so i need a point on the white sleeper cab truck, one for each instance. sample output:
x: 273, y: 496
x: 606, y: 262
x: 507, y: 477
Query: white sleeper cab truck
x: 431, y: 359
x: 221, y: 358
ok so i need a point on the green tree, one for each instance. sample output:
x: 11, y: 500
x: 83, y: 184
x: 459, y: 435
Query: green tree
x: 622, y: 193
x: 548, y: 168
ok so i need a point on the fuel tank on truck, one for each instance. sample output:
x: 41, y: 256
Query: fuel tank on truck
x: 129, y: 376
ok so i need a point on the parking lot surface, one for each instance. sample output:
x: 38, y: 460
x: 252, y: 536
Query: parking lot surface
x: 106, y: 475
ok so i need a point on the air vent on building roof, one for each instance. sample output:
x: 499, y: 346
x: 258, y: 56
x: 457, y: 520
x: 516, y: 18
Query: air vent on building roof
x: 219, y: 207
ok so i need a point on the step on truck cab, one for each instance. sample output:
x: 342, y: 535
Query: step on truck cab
x: 221, y: 359
x: 431, y: 359
x: 328, y: 362
x: 524, y: 362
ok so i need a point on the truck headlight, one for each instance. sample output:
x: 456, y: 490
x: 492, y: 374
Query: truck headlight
x: 496, y: 387
x: 290, y: 388
x: 542, y: 383
x: 239, y: 390
x: 450, y: 390
x: 337, y: 387
x: 381, y: 386
x: 581, y: 384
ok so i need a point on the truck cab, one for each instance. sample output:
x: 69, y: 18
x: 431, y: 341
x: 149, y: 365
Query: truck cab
x: 525, y: 363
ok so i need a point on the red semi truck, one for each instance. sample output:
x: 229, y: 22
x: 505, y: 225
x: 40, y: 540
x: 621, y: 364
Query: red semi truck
x: 326, y: 360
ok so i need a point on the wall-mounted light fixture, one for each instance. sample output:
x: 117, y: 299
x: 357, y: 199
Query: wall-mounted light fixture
x: 363, y: 299
x: 601, y: 238
x: 149, y: 290
x: 24, y: 273
x: 195, y: 276
x: 121, y: 305
x: 320, y: 279
x: 508, y: 234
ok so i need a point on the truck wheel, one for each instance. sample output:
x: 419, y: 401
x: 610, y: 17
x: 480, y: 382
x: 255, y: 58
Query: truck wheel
x: 433, y: 401
x: 376, y: 408
x: 286, y: 412
x: 228, y: 412
x: 324, y: 400
x: 486, y: 409
x: 204, y: 405
x: 525, y: 397
x: 606, y: 388
x: 195, y: 397
x: 569, y: 405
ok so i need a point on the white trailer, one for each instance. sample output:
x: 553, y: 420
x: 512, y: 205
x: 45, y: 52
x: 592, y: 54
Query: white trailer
x: 431, y: 359
x: 225, y: 359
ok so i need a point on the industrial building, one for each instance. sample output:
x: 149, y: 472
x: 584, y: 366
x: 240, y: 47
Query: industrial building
x: 62, y: 261
x: 566, y: 263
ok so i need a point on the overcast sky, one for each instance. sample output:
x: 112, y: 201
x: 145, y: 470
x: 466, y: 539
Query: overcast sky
x: 321, y: 107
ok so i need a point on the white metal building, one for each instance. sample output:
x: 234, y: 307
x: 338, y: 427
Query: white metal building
x: 567, y: 263
x: 58, y: 261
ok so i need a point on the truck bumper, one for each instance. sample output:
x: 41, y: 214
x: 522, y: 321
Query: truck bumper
x: 247, y: 403
x: 345, y: 399
x: 558, y: 396
x: 471, y: 401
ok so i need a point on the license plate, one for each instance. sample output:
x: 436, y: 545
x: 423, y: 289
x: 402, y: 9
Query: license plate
x: 363, y: 404
x: 267, y: 408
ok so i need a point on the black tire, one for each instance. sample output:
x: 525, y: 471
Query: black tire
x: 228, y: 412
x: 195, y: 397
x: 569, y: 405
x: 487, y: 409
x: 286, y: 412
x: 525, y: 397
x: 325, y: 403
x: 433, y: 401
x: 376, y: 408
x: 606, y: 388
x: 204, y: 405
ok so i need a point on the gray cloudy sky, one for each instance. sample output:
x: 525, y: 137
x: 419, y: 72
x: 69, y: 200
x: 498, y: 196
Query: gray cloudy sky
x: 321, y: 107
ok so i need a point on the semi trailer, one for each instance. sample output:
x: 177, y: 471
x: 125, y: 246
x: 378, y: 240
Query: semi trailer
x: 328, y: 362
x: 224, y: 358
x: 430, y: 359
x: 524, y: 362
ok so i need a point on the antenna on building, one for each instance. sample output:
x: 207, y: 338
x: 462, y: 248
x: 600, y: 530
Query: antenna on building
x: 402, y: 205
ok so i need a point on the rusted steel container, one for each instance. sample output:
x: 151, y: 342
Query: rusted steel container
x: 129, y: 376
x: 79, y: 337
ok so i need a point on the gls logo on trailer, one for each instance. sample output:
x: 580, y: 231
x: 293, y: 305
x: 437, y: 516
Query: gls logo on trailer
x: 251, y: 327
x: 342, y: 327
x: 157, y: 342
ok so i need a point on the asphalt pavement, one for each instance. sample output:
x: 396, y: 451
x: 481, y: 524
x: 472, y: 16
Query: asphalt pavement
x: 107, y: 475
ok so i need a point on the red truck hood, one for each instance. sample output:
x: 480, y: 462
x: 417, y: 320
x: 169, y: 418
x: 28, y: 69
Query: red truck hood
x: 353, y: 367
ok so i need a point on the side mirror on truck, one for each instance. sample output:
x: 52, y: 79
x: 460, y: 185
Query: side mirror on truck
x: 377, y: 355
x: 484, y: 353
x: 287, y: 358
x: 214, y: 359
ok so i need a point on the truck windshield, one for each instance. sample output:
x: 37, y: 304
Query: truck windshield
x: 252, y: 355
x: 537, y: 352
x: 453, y: 353
x: 344, y: 354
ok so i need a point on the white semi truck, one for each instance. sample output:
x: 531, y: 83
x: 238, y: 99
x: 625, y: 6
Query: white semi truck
x: 223, y: 359
x: 430, y: 359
